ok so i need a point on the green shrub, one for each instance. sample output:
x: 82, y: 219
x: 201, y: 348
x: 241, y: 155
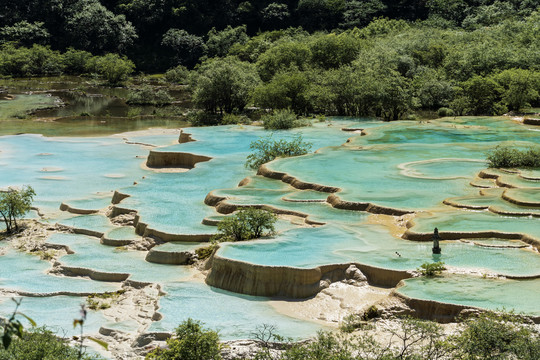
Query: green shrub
x: 509, y: 157
x: 203, y: 118
x: 282, y: 120
x: 39, y: 344
x: 205, y: 252
x: 113, y: 68
x: 267, y: 149
x: 192, y: 342
x: 497, y: 336
x: 444, y: 112
x: 177, y: 75
x: 147, y: 95
x: 246, y: 224
x: 232, y: 119
x: 431, y: 269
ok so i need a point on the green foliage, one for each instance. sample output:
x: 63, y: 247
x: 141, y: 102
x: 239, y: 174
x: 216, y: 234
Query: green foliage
x: 431, y: 269
x: 282, y: 120
x: 286, y: 90
x: 92, y: 27
x: 497, y: 336
x: 177, y: 75
x: 444, y: 112
x: 219, y: 42
x: 511, y: 157
x: 192, y: 342
x: 223, y: 85
x: 24, y: 33
x: 114, y: 68
x: 39, y: 344
x: 281, y: 57
x: 101, y: 301
x: 205, y: 252
x: 267, y: 149
x: 14, y: 203
x: 147, y: 95
x: 246, y: 224
x: 482, y: 94
x: 520, y: 87
x: 37, y: 60
x: 187, y: 48
x: 233, y: 119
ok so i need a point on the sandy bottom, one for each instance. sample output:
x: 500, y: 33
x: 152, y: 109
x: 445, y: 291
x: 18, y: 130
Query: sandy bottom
x: 331, y: 305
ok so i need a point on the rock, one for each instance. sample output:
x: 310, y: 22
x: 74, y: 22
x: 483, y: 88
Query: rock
x: 353, y: 273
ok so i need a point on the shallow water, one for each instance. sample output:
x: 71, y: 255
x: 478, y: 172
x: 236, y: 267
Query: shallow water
x: 404, y: 165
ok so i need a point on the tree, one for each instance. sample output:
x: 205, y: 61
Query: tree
x: 287, y: 89
x: 246, y: 224
x: 187, y: 48
x: 24, y: 33
x: 91, y: 26
x: 223, y: 85
x: 275, y: 15
x: 360, y: 13
x: 520, y: 87
x: 219, y: 42
x: 483, y: 94
x: 192, y: 342
x: 113, y: 67
x: 267, y: 149
x: 14, y: 203
x: 283, y: 56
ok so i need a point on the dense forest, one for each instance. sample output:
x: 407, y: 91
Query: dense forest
x: 381, y: 58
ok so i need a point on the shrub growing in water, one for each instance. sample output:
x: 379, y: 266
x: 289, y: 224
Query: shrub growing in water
x: 267, y: 149
x: 248, y: 223
x: 147, y: 95
x: 431, y: 269
x: 444, y: 112
x: 192, y: 342
x: 177, y: 75
x: 282, y: 120
x: 508, y: 157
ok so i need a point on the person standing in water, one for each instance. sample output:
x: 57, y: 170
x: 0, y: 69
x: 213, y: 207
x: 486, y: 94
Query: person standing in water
x: 436, y: 249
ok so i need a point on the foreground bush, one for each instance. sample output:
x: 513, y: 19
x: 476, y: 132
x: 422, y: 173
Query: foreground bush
x: 40, y: 344
x: 509, y: 157
x: 191, y: 342
x: 267, y: 149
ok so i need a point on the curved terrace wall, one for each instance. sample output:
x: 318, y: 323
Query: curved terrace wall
x: 261, y: 280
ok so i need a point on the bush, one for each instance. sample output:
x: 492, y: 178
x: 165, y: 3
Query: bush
x: 232, y: 119
x: 113, y: 68
x: 431, y: 269
x: 282, y: 120
x: 203, y: 118
x: 147, y: 95
x: 177, y: 75
x: 205, y: 252
x: 508, y: 157
x: 246, y: 224
x: 192, y: 342
x: 40, y: 344
x: 444, y: 112
x: 497, y: 336
x: 267, y: 149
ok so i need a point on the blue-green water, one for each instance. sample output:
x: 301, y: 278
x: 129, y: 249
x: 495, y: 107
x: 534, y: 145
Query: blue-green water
x: 404, y: 165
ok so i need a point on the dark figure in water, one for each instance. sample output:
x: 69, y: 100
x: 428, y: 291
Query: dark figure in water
x: 436, y: 249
